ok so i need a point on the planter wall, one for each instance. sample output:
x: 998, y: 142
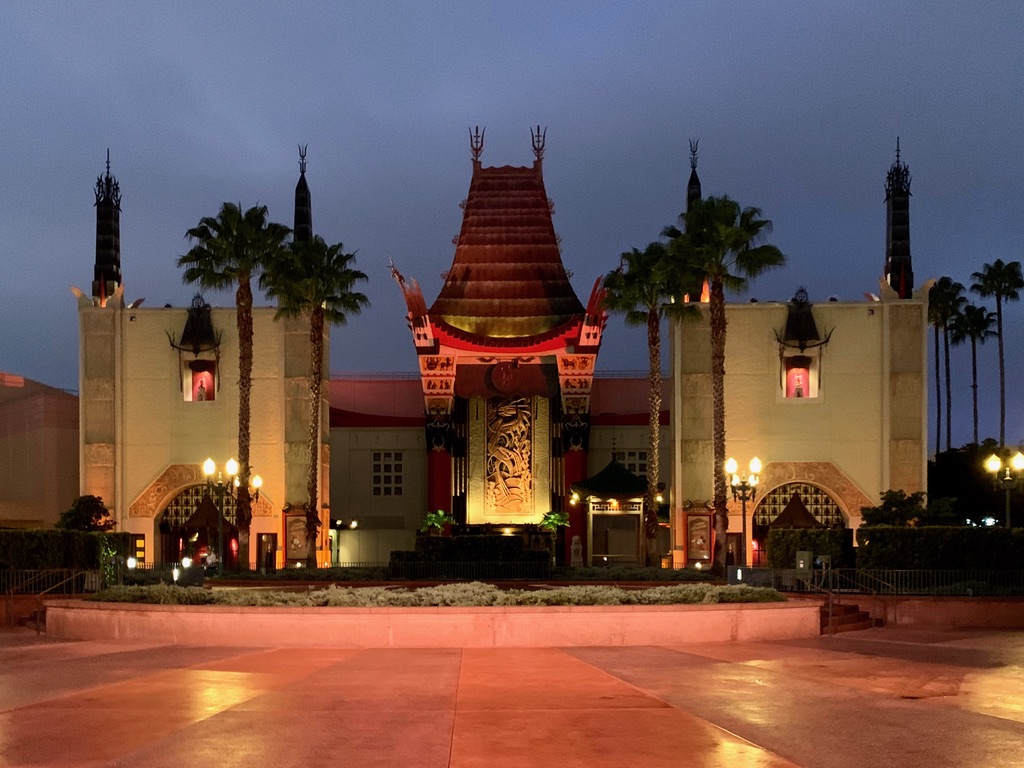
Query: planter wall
x: 555, y: 626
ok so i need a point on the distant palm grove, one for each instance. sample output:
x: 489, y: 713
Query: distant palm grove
x: 957, y: 321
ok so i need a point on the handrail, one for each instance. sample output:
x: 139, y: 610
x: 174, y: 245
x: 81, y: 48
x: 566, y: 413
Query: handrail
x: 891, y: 581
x: 39, y: 597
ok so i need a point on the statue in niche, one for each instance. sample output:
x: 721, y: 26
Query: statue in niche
x: 509, y: 456
x: 201, y: 392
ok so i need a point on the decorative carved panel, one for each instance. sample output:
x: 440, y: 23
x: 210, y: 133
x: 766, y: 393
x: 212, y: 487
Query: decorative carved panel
x: 823, y: 474
x: 172, y: 481
x: 509, y: 456
x: 99, y: 454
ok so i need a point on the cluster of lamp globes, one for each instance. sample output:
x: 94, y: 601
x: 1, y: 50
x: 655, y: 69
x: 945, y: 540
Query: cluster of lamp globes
x: 732, y: 470
x: 995, y: 465
x: 231, y: 470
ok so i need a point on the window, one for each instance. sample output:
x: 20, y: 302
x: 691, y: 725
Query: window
x: 634, y: 461
x: 387, y: 473
x: 138, y: 546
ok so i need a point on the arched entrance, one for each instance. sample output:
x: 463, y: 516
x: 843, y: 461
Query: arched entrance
x: 189, y: 526
x: 793, y: 505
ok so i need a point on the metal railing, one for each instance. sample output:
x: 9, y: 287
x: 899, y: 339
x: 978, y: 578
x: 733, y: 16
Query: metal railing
x: 511, y: 571
x: 36, y: 583
x: 71, y: 581
x: 886, y: 582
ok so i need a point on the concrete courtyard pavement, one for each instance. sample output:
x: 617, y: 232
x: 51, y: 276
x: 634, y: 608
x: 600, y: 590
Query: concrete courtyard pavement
x: 881, y: 697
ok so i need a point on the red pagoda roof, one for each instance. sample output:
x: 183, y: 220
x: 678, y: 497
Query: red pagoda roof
x: 507, y: 279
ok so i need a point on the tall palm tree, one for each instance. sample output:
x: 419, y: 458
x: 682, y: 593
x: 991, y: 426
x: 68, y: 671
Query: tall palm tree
x: 1004, y: 283
x: 945, y: 299
x: 972, y: 323
x: 641, y: 289
x: 726, y: 243
x: 317, y: 279
x: 229, y: 251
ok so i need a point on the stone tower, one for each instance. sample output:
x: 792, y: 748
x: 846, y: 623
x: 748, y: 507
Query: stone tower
x: 899, y: 272
x: 107, y: 271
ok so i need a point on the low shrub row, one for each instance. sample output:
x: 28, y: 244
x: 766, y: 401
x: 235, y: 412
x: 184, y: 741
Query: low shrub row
x: 51, y: 548
x: 940, y: 548
x: 836, y: 543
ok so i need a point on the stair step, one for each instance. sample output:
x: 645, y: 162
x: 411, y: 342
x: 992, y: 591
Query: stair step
x: 852, y: 627
x: 840, y: 609
x: 849, y: 618
x: 33, y: 619
x: 846, y: 618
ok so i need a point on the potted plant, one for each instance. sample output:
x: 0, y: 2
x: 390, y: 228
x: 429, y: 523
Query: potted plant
x: 555, y: 523
x: 437, y: 522
x: 552, y: 521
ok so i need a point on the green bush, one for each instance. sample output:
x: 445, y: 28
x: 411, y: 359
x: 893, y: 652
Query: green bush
x: 836, y: 543
x: 940, y: 548
x: 42, y: 549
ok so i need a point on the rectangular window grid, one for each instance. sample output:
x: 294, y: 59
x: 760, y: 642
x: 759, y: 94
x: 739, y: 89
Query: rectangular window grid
x: 634, y: 461
x: 387, y: 473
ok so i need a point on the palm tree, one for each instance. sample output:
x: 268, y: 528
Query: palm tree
x: 944, y: 301
x: 230, y: 250
x: 725, y: 243
x: 641, y: 290
x: 315, y: 278
x: 972, y: 323
x: 1003, y: 282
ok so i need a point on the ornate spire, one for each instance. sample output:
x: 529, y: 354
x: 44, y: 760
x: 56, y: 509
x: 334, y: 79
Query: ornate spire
x: 107, y: 270
x: 538, y: 136
x: 302, y: 232
x: 476, y: 142
x: 899, y: 271
x: 693, y: 193
x: 897, y: 180
x: 107, y: 188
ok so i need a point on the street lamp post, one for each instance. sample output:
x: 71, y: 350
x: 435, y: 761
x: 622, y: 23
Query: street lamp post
x: 1009, y: 480
x: 744, y: 488
x: 231, y: 468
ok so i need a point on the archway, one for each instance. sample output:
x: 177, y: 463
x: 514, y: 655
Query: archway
x: 189, y: 526
x: 793, y: 505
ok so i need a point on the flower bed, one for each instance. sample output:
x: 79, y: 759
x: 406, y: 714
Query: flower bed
x: 464, y: 595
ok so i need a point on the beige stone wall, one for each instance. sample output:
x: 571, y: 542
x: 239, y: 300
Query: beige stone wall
x: 352, y: 477
x: 868, y: 422
x: 136, y: 423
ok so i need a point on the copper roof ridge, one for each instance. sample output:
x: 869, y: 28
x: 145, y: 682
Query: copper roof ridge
x: 507, y: 341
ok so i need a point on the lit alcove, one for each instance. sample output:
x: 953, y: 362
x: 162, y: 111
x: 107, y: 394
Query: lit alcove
x: 198, y: 354
x: 199, y: 381
x: 800, y: 376
x: 800, y: 351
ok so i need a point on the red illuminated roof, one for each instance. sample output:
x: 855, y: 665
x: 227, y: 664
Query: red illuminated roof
x: 507, y: 279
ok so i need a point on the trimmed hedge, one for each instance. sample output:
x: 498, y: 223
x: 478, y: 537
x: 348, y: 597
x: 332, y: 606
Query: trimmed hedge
x: 940, y: 548
x: 472, y: 549
x: 51, y: 548
x: 837, y: 543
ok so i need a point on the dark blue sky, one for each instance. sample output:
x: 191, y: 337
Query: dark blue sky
x: 797, y: 106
